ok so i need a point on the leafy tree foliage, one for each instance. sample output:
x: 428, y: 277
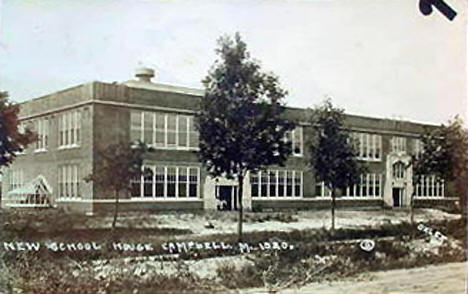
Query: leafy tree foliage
x: 12, y: 140
x: 118, y: 164
x: 444, y: 155
x: 240, y: 122
x: 331, y: 153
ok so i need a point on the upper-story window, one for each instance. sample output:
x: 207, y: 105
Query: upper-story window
x: 398, y: 144
x: 41, y: 127
x: 296, y: 138
x: 69, y: 125
x: 164, y: 130
x: 21, y: 130
x: 368, y: 146
x: 399, y: 170
x: 418, y: 147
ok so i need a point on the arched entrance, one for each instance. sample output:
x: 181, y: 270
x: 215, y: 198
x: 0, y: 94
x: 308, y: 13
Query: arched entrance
x: 398, y: 186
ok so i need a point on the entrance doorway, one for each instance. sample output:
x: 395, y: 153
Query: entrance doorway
x: 397, y: 197
x: 227, y: 197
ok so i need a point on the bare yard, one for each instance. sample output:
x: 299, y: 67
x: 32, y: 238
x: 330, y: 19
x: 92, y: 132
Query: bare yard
x: 226, y: 222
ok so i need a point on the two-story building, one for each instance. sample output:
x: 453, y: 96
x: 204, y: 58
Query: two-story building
x: 74, y: 123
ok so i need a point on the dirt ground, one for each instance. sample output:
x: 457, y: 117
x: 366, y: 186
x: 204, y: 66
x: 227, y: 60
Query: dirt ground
x: 226, y: 222
x: 441, y: 279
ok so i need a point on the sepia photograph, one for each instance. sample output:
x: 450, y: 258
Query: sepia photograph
x: 233, y: 146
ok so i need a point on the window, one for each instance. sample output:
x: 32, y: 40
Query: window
x: 297, y: 184
x: 398, y: 144
x: 281, y: 183
x: 171, y: 130
x: 160, y: 130
x: 370, y: 185
x: 183, y: 131
x: 264, y: 184
x: 289, y: 183
x: 147, y: 128
x: 364, y: 185
x: 254, y: 185
x: 273, y: 184
x: 164, y: 130
x: 429, y: 186
x: 182, y: 182
x: 168, y: 182
x: 69, y: 129
x: 160, y: 180
x: 16, y: 179
x: 135, y: 125
x: 276, y: 183
x: 367, y: 146
x: 171, y: 181
x: 22, y: 130
x: 296, y: 138
x: 194, y: 175
x: 148, y: 183
x: 418, y: 147
x: 41, y: 127
x: 322, y: 190
x: 69, y: 184
x: 399, y: 170
x: 193, y: 134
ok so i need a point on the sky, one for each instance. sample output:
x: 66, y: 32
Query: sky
x: 379, y: 58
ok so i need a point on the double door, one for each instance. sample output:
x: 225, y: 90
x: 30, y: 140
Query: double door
x: 227, y: 197
x: 397, y: 194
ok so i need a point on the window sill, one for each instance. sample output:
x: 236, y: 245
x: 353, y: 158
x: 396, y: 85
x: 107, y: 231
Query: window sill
x: 40, y: 150
x: 175, y: 148
x: 433, y: 197
x: 370, y: 159
x: 280, y: 198
x: 68, y: 147
x: 27, y: 205
x: 165, y: 199
x: 347, y: 198
x: 69, y: 199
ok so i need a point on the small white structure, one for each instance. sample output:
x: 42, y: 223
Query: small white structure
x: 36, y: 193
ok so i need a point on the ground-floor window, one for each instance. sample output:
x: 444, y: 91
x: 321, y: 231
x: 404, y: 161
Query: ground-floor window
x: 167, y: 182
x: 370, y: 185
x: 276, y: 183
x: 322, y: 190
x: 69, y: 181
x: 429, y: 186
x: 16, y: 179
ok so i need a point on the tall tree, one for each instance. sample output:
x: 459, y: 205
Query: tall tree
x: 332, y: 156
x: 444, y: 155
x: 119, y: 164
x: 12, y: 138
x: 241, y: 122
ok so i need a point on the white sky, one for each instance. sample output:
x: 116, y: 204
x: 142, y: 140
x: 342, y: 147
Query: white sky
x: 379, y: 58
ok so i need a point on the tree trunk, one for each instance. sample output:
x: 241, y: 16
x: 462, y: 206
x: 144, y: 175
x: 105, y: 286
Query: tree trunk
x: 416, y: 180
x: 333, y: 210
x: 116, y: 208
x: 412, y: 207
x: 241, y: 208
